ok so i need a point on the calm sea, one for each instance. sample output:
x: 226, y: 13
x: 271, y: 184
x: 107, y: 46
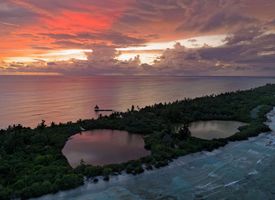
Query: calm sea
x: 29, y: 99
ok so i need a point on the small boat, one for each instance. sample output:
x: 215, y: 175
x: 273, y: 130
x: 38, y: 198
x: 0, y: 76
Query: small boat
x: 97, y: 109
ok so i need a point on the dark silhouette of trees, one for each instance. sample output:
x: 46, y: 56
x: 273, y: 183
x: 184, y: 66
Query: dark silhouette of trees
x: 32, y: 164
x: 184, y: 132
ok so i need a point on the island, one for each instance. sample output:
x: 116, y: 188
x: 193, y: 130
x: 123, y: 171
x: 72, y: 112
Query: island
x: 32, y: 163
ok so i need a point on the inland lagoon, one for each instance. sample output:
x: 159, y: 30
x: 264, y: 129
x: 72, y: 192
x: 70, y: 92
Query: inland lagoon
x: 101, y: 147
x: 214, y: 129
x: 244, y: 169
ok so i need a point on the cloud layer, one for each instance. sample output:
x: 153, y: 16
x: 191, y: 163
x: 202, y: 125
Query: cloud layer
x: 29, y: 27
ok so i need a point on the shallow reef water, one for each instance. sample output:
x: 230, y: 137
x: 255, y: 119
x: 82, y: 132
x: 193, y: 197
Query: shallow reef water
x: 240, y: 170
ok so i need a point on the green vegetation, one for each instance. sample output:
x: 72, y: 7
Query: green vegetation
x: 32, y: 164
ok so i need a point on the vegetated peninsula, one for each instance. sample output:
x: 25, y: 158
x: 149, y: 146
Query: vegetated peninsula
x: 32, y: 164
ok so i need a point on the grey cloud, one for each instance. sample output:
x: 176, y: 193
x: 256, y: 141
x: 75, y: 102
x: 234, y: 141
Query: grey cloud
x: 223, y: 19
x: 240, y: 55
x: 249, y: 48
x: 209, y: 16
x: 196, y: 16
x: 13, y: 17
x: 116, y: 38
x: 143, y: 15
x: 57, y: 5
x: 100, y: 61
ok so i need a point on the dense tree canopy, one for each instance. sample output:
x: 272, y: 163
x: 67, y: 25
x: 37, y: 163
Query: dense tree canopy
x: 32, y: 164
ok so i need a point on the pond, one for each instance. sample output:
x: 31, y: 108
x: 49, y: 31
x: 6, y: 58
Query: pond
x: 214, y: 129
x: 240, y: 170
x: 101, y: 147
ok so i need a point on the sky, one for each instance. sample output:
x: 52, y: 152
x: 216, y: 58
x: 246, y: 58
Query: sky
x: 138, y: 37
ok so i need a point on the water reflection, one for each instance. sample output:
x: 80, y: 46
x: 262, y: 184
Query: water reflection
x: 240, y: 170
x: 29, y: 99
x: 100, y: 147
x: 214, y: 129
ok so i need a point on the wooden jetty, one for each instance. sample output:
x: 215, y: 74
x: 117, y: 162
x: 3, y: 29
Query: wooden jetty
x: 97, y: 109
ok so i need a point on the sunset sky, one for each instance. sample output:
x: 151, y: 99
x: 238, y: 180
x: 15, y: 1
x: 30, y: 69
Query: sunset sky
x: 138, y: 37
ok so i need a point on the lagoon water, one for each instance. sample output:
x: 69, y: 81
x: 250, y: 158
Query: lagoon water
x: 100, y: 147
x: 240, y: 170
x: 29, y: 99
x: 214, y: 129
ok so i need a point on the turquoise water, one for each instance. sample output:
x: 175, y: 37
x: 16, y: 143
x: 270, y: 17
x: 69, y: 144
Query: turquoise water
x: 240, y: 170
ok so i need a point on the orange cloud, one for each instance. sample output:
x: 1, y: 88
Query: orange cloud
x: 77, y: 22
x: 31, y: 28
x: 70, y: 18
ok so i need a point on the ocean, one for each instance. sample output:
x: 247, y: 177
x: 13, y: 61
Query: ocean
x: 29, y: 99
